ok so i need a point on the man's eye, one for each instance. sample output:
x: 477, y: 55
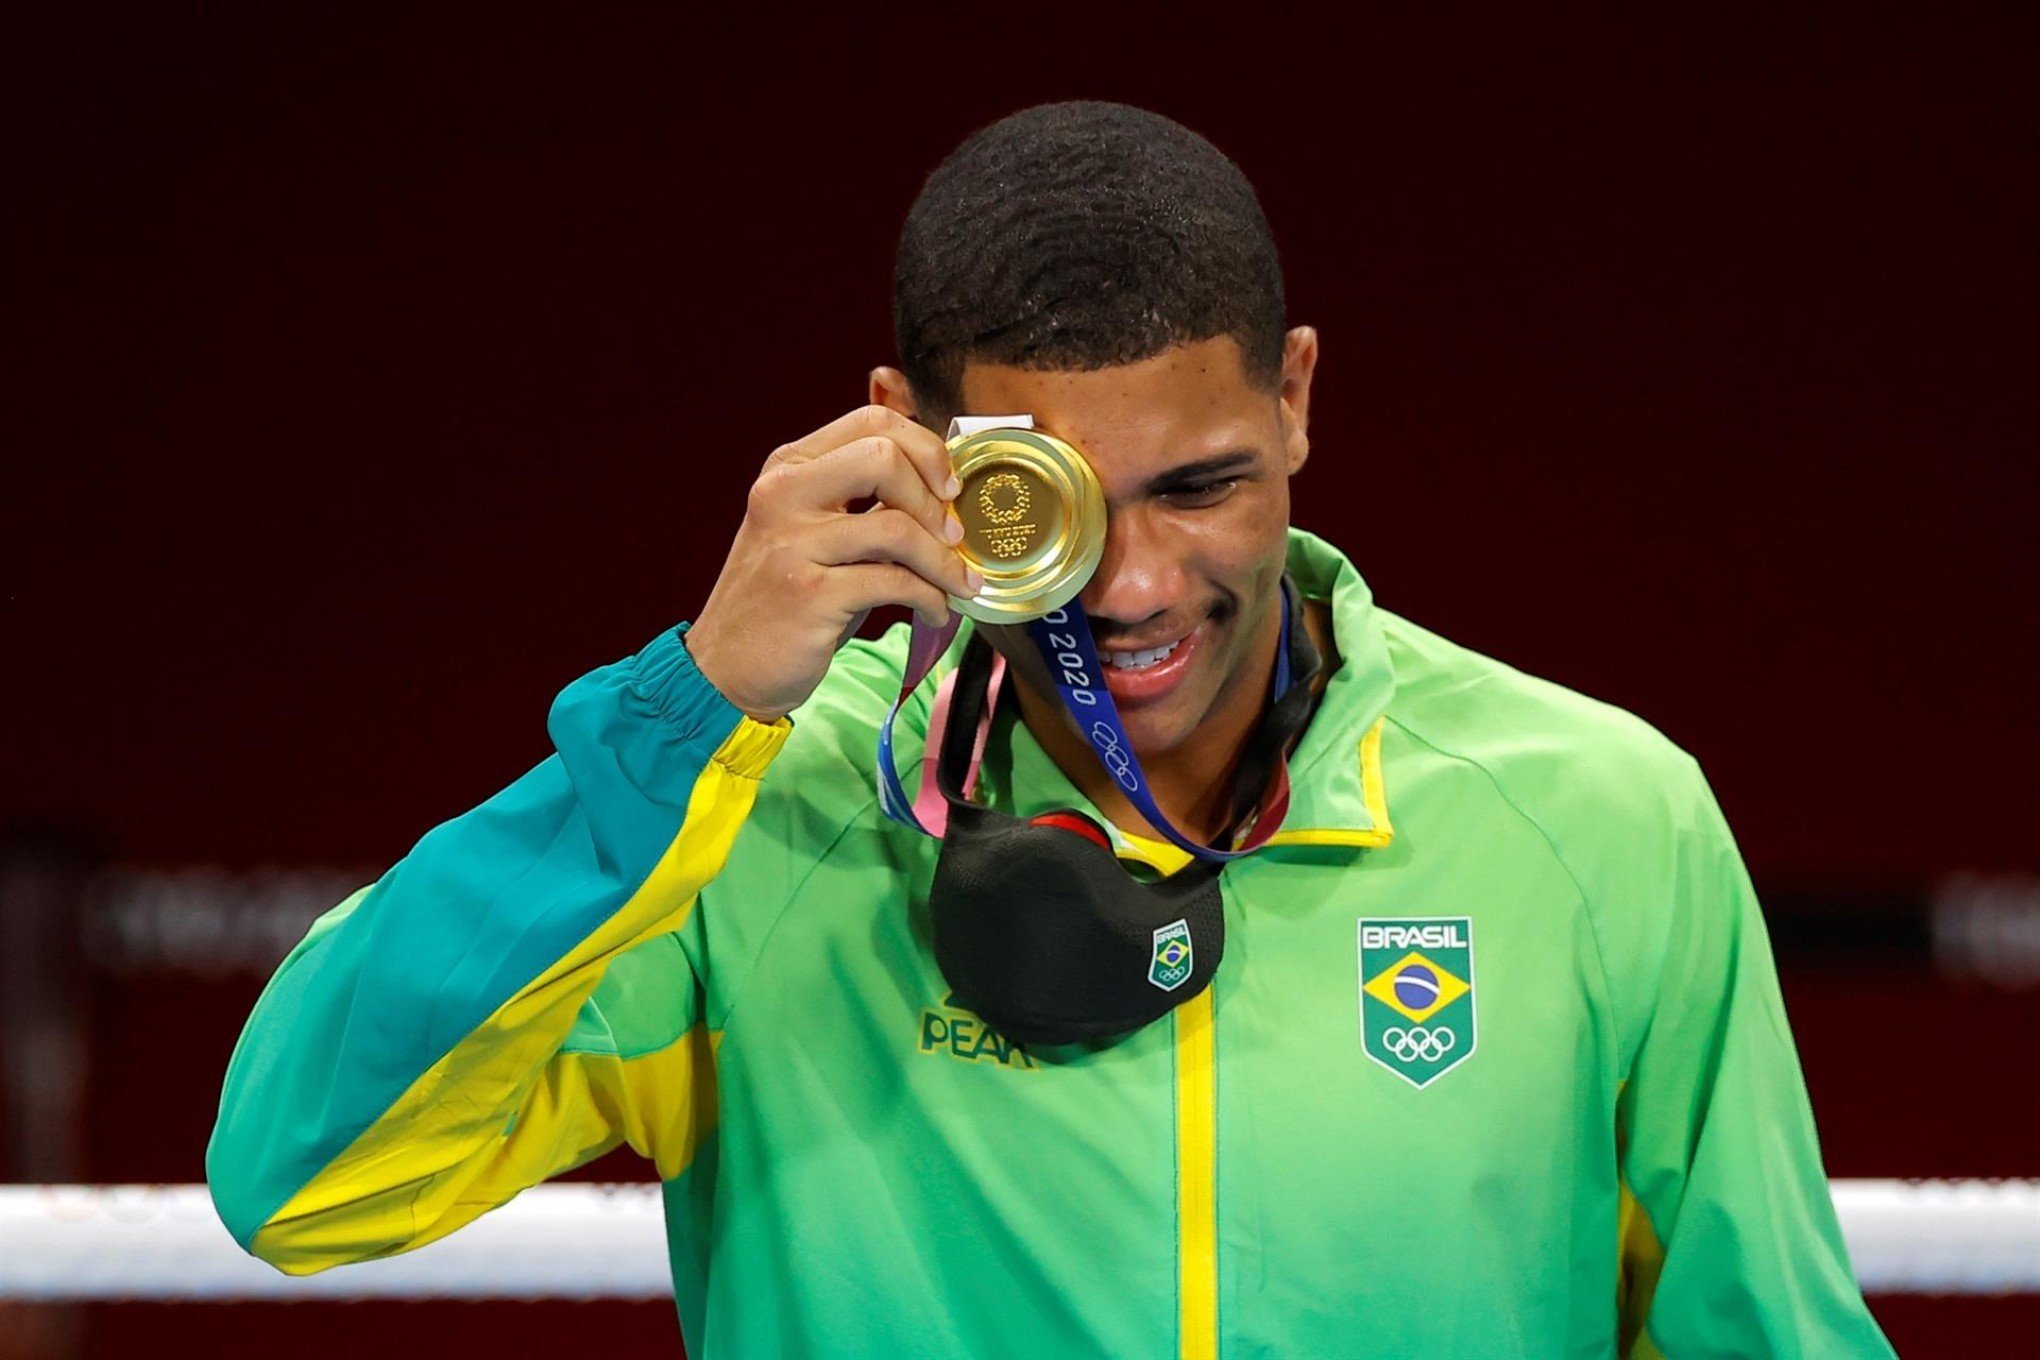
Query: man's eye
x: 1197, y: 495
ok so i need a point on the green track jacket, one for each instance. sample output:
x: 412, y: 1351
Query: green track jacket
x: 1506, y: 1075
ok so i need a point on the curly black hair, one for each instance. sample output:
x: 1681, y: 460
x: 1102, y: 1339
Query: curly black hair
x: 1077, y: 236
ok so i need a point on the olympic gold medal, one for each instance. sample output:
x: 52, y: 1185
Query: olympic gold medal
x: 1033, y: 522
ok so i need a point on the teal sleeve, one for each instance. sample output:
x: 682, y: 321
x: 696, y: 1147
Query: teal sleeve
x: 407, y: 1052
x: 1718, y: 1143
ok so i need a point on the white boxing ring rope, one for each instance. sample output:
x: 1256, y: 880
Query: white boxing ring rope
x: 164, y: 1242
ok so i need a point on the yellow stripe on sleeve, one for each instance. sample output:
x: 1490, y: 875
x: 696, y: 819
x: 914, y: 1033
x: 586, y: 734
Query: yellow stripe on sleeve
x: 1641, y: 1258
x: 449, y: 1149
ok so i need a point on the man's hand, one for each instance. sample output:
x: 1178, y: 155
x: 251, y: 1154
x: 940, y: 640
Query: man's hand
x: 804, y: 571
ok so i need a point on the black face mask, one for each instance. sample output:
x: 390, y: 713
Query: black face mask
x: 1040, y: 930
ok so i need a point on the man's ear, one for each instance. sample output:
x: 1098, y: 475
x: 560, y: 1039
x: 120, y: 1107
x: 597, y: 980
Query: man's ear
x: 889, y: 388
x: 1299, y: 362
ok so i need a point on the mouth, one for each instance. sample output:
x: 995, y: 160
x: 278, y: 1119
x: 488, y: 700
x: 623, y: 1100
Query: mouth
x: 1147, y: 674
x: 1140, y: 661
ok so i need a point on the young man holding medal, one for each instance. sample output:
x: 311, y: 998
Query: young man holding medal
x: 1204, y: 962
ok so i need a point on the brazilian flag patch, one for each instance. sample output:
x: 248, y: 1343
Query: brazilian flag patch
x: 1171, y: 965
x: 1416, y: 994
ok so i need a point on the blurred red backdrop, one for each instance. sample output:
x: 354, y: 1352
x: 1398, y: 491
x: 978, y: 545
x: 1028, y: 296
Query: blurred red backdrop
x: 381, y: 377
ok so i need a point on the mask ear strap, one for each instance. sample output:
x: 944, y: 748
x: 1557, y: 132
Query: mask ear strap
x: 1261, y: 783
x: 929, y: 805
x: 961, y: 742
x: 925, y: 646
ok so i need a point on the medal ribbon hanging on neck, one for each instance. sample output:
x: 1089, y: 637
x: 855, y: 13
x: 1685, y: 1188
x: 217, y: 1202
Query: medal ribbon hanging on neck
x: 1037, y: 537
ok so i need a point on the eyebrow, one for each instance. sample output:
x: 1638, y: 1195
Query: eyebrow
x: 1203, y: 467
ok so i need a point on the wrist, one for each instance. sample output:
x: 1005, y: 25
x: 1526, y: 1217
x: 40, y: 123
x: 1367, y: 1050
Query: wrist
x: 707, y: 661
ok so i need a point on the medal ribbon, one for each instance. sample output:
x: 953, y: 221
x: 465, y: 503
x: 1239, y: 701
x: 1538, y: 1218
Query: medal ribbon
x: 1063, y: 638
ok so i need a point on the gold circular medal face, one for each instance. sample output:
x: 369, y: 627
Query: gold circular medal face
x: 1033, y: 522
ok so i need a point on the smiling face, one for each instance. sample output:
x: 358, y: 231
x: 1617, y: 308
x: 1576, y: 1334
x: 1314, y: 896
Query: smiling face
x: 1195, y: 464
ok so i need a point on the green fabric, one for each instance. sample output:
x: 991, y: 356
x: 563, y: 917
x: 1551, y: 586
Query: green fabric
x: 888, y: 1180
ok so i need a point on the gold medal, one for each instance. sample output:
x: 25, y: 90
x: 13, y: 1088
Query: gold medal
x: 1033, y: 522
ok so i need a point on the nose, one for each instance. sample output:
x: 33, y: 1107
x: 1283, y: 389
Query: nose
x: 1139, y: 576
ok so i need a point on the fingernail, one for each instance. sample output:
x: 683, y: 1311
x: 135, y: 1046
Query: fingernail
x: 951, y: 487
x: 952, y: 529
x: 975, y: 581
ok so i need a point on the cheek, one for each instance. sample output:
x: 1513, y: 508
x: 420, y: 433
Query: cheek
x: 1245, y: 546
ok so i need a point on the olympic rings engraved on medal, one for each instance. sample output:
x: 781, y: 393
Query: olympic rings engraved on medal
x: 993, y: 511
x: 1112, y: 755
x: 1003, y: 534
x: 1417, y: 1044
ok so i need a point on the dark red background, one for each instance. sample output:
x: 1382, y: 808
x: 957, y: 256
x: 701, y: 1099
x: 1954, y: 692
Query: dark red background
x: 378, y: 378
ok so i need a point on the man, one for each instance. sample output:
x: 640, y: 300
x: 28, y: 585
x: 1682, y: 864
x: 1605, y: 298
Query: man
x: 1492, y: 1061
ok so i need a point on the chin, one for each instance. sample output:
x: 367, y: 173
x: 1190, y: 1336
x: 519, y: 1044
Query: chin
x: 1160, y: 729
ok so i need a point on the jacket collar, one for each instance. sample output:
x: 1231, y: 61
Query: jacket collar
x: 1337, y: 796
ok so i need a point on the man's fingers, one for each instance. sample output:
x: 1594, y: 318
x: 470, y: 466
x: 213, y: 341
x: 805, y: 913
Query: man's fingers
x: 889, y: 535
x: 921, y: 445
x: 866, y: 585
x: 802, y: 571
x: 877, y: 467
x: 928, y: 452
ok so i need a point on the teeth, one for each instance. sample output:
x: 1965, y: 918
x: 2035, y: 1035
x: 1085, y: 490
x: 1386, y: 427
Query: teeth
x: 1134, y: 661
